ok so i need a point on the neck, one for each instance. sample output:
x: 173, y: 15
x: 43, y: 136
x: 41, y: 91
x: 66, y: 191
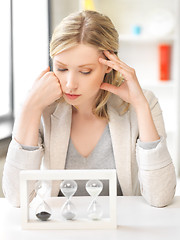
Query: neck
x: 85, y: 112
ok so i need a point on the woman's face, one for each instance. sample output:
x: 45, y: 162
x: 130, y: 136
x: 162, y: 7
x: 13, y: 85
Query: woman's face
x: 80, y: 73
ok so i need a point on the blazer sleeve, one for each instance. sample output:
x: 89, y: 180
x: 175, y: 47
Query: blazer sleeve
x: 156, y: 170
x: 18, y: 159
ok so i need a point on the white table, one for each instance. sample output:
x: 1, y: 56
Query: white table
x: 136, y: 220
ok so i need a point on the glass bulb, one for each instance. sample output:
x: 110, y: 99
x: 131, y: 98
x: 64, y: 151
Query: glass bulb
x: 68, y: 188
x: 43, y: 211
x: 95, y: 211
x: 43, y: 189
x: 68, y: 210
x: 94, y: 188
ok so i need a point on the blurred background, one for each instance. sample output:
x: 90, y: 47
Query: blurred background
x: 149, y: 36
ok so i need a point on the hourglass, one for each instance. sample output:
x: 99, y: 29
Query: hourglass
x: 43, y: 211
x: 68, y: 188
x: 94, y: 188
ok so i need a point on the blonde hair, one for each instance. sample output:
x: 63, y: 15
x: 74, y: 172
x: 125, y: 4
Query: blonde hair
x: 89, y: 27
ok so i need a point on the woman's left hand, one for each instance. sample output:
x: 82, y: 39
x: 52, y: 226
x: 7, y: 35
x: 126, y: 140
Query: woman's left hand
x: 130, y: 90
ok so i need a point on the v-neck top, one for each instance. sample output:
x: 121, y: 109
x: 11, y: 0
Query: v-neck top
x: 101, y: 157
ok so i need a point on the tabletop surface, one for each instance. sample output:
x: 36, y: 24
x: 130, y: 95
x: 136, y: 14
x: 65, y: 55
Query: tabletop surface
x: 136, y: 220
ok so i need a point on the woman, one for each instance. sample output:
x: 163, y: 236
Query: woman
x: 91, y: 112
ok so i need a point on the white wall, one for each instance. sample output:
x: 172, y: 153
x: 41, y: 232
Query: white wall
x: 61, y: 8
x: 30, y: 23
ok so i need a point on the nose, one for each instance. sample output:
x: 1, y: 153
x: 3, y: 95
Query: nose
x: 71, y: 81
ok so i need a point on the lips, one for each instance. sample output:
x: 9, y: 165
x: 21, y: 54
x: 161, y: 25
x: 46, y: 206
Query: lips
x: 71, y: 96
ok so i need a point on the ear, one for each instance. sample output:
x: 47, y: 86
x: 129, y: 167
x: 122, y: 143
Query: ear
x: 108, y: 70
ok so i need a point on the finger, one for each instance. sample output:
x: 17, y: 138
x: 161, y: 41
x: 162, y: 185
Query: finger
x: 115, y: 66
x: 56, y: 77
x: 43, y: 72
x: 111, y: 56
x: 114, y: 57
x: 109, y: 63
x: 109, y: 87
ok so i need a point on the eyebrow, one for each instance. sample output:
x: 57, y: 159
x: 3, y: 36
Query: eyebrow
x: 87, y: 64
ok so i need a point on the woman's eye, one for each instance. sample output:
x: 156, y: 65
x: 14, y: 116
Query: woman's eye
x: 62, y: 69
x: 65, y: 69
x: 88, y: 72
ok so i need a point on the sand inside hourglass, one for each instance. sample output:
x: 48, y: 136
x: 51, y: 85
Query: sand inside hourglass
x: 94, y: 191
x: 68, y: 188
x: 43, y: 210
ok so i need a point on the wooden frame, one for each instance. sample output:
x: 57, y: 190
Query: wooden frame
x: 85, y: 223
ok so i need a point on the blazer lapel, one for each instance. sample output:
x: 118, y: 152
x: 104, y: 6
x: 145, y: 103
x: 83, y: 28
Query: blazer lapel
x: 59, y: 139
x: 60, y: 132
x: 121, y: 142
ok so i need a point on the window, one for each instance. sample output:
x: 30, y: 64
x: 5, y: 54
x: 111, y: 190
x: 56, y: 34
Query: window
x: 27, y: 38
x: 5, y: 59
x: 6, y: 63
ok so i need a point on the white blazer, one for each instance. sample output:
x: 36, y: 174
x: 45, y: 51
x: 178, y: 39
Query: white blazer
x: 149, y: 172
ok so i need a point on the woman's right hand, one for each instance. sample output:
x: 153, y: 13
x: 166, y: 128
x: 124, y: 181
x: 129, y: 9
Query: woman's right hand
x: 45, y: 90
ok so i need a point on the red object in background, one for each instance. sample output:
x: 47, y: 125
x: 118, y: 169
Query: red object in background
x: 164, y: 61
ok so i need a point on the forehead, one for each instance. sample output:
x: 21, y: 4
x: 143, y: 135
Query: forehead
x: 79, y: 55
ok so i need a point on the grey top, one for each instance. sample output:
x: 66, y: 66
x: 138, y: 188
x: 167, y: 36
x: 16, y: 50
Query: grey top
x: 101, y: 157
